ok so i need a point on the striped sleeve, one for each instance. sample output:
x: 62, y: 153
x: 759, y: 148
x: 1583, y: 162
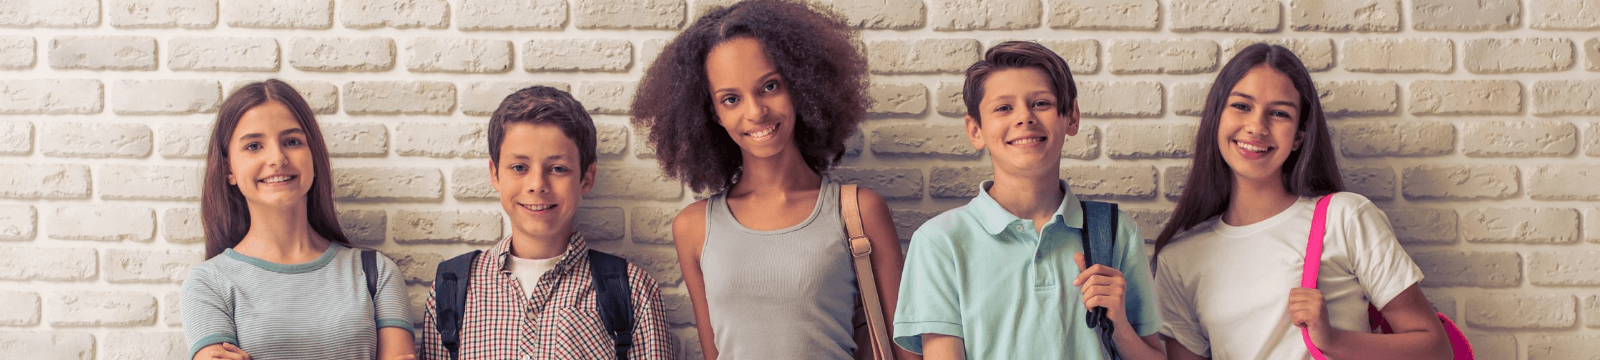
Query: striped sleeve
x: 207, y: 310
x: 392, y: 301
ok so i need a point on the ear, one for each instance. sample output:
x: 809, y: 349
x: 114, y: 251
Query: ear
x: 974, y: 132
x: 494, y: 176
x: 588, y: 178
x: 1299, y: 137
x: 1073, y: 119
x: 232, y: 180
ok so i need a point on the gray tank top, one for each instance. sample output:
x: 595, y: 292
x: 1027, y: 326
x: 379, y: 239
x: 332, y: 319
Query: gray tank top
x: 781, y: 294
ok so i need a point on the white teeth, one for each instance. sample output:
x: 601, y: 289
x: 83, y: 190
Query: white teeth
x: 764, y: 133
x: 1252, y: 148
x: 539, y: 207
x: 277, y: 179
x: 1027, y: 141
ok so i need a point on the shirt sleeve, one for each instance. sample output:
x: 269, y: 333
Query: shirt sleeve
x: 651, y: 340
x: 929, y: 303
x: 207, y: 311
x: 1178, y: 312
x: 393, y: 302
x: 432, y: 343
x: 1382, y: 267
x: 1140, y: 301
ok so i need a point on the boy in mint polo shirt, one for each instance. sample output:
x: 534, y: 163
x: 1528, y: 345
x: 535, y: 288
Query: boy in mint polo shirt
x: 1003, y: 277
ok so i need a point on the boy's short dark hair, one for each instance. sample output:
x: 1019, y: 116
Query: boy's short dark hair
x: 545, y: 105
x: 1019, y: 55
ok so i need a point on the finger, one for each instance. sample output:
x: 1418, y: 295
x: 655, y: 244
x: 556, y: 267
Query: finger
x: 1103, y: 280
x: 1078, y: 258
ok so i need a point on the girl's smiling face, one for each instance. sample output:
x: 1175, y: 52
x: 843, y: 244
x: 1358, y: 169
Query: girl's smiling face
x: 751, y: 99
x: 269, y: 157
x: 1259, y: 126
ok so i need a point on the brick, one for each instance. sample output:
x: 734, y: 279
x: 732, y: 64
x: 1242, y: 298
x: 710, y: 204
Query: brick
x: 99, y: 308
x: 149, y: 266
x: 1545, y: 346
x: 103, y: 52
x: 101, y: 223
x: 1519, y: 138
x: 1150, y: 222
x: 1119, y: 99
x: 17, y: 223
x: 643, y: 150
x: 660, y: 264
x: 948, y: 101
x: 1105, y: 15
x: 1591, y: 224
x: 279, y: 14
x: 22, y: 308
x: 1488, y: 345
x: 459, y: 55
x: 1564, y: 268
x: 1375, y: 183
x: 1388, y: 138
x: 456, y: 226
x: 342, y: 54
x: 1423, y: 226
x: 399, y: 97
x: 44, y: 181
x: 1466, y: 97
x: 853, y: 145
x: 1258, y: 16
x: 20, y: 139
x: 1341, y: 16
x: 690, y: 348
x: 1149, y: 141
x: 602, y: 223
x: 182, y: 226
x: 620, y: 14
x: 922, y: 140
x: 188, y: 141
x: 1082, y: 55
x: 907, y: 221
x: 1459, y: 182
x: 321, y: 96
x: 482, y: 98
x: 191, y: 14
x: 1520, y: 225
x: 1564, y: 182
x: 1566, y: 97
x: 1118, y: 182
x: 1448, y: 268
x: 352, y: 139
x: 416, y: 267
x: 511, y: 14
x: 890, y: 98
x: 1316, y: 54
x: 649, y: 50
x: 1397, y: 55
x: 165, y: 97
x: 1466, y: 15
x: 960, y: 15
x: 1142, y: 56
x: 1525, y: 312
x: 877, y: 14
x: 364, y: 227
x: 442, y: 140
x: 16, y: 52
x: 388, y: 184
x: 223, y: 54
x: 1564, y: 15
x: 1189, y: 98
x: 399, y: 14
x: 1172, y: 180
x: 150, y: 182
x: 1084, y: 146
x: 922, y: 56
x: 1591, y: 312
x: 51, y: 13
x: 1444, y: 304
x: 892, y: 183
x: 65, y: 96
x: 635, y: 183
x: 611, y: 139
x: 1591, y: 51
x: 53, y: 264
x: 1358, y: 98
x: 652, y: 225
x: 47, y: 345
x: 606, y: 97
x: 1502, y: 56
x: 679, y: 309
x: 144, y: 344
x: 472, y: 182
x: 94, y: 140
x: 957, y: 182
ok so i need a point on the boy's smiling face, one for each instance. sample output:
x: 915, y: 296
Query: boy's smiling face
x: 540, y: 181
x: 1021, y: 124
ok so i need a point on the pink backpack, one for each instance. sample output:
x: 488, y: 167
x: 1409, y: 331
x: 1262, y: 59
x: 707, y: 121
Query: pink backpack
x: 1308, y: 279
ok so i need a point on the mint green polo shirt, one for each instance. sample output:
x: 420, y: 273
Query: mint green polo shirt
x: 980, y: 273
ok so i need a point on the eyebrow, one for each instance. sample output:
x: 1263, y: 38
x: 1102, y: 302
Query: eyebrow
x: 763, y: 78
x: 280, y: 134
x: 525, y: 157
x: 1252, y: 98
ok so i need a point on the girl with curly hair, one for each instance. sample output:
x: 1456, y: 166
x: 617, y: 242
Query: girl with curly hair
x: 753, y: 103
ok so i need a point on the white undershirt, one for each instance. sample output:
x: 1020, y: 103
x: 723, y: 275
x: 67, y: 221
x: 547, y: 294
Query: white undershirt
x: 528, y: 271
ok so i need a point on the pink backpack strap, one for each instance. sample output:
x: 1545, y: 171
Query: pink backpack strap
x: 1308, y: 277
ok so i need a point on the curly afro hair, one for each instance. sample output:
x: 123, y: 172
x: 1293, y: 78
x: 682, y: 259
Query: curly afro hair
x: 814, y: 51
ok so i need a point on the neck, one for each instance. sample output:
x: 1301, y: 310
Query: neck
x: 1255, y: 200
x: 281, y: 235
x: 537, y: 247
x: 1034, y: 198
x: 784, y: 173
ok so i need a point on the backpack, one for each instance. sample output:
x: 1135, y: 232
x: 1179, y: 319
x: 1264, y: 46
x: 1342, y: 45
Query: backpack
x: 1099, y: 241
x: 611, y: 290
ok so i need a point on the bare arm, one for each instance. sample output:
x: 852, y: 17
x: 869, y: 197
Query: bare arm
x: 886, y: 259
x: 1417, y: 331
x: 1176, y: 351
x: 1104, y: 286
x: 943, y: 347
x: 395, y: 343
x: 221, y: 351
x: 689, y: 235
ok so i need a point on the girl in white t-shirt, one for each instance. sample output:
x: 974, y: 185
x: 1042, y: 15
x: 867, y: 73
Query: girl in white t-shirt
x: 1228, y: 263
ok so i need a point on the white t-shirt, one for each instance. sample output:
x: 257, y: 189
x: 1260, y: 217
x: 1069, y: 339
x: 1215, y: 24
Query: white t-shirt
x: 1225, y: 289
x: 528, y: 271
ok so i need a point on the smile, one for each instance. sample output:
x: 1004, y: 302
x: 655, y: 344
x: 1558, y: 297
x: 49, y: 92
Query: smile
x: 767, y: 132
x: 537, y: 207
x: 278, y: 179
x: 1026, y: 141
x: 1254, y: 150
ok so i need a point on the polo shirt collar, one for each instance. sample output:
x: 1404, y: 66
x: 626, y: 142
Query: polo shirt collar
x: 996, y: 219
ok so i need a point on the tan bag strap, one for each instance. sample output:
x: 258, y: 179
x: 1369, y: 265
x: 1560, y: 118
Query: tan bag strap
x: 861, y: 251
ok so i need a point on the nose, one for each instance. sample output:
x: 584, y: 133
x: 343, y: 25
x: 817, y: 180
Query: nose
x: 1027, y: 118
x: 755, y: 109
x: 538, y: 185
x: 281, y: 157
x: 1257, y: 125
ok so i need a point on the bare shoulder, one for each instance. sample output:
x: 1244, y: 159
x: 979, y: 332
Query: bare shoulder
x: 689, y: 227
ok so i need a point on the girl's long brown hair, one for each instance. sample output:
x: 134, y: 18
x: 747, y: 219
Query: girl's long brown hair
x: 223, y: 211
x: 1311, y: 170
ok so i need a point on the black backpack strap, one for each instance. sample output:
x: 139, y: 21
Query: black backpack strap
x: 450, y: 299
x: 369, y: 267
x: 1099, y: 241
x: 613, y: 298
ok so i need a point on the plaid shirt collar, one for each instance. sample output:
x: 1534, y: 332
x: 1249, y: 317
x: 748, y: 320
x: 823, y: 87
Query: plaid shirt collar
x: 576, y: 248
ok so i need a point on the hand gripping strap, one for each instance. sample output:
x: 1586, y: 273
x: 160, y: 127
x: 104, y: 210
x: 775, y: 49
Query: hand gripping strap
x: 861, y: 251
x: 1308, y: 277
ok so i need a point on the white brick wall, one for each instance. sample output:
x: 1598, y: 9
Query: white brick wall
x: 1470, y: 121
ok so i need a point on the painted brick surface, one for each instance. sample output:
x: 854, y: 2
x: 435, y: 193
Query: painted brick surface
x: 275, y: 14
x: 190, y: 14
x: 165, y: 97
x: 608, y: 55
x: 387, y: 183
x: 983, y: 14
x: 182, y: 226
x: 1162, y: 57
x: 342, y: 54
x: 472, y: 183
x: 1466, y: 97
x: 187, y: 141
x: 922, y: 140
x: 150, y: 182
x: 510, y: 14
x: 149, y: 266
x: 1104, y: 15
x: 47, y: 263
x: 922, y: 56
x: 1418, y: 55
x: 1460, y: 181
x: 20, y: 139
x: 620, y: 14
x: 399, y: 97
x: 1568, y: 182
x: 1547, y: 225
x: 1492, y: 56
x: 22, y: 308
x: 17, y: 222
x: 652, y: 225
x: 1522, y: 311
x: 1316, y: 54
x: 1423, y: 226
x: 1258, y: 16
x: 400, y: 14
x: 1562, y: 347
x: 606, y: 97
x: 49, y: 345
x: 898, y: 98
x: 458, y: 55
x: 604, y: 223
x: 1565, y: 268
x: 62, y: 96
x: 1333, y: 15
x: 364, y: 227
x: 51, y: 13
x: 100, y: 223
x: 428, y: 226
x: 94, y: 140
x: 1563, y: 15
x: 103, y: 52
x: 1566, y: 97
x: 1421, y: 138
x: 1085, y: 145
x: 1149, y: 141
x: 223, y: 54
x: 16, y: 52
x: 356, y: 139
x: 1115, y: 182
x: 1519, y: 138
x: 632, y: 182
x: 1358, y: 98
x: 99, y: 308
x: 1466, y: 15
x: 890, y: 183
x: 1131, y: 99
x: 482, y: 98
x: 144, y: 345
x: 44, y: 181
x: 1469, y: 268
x: 442, y: 140
x: 1376, y: 182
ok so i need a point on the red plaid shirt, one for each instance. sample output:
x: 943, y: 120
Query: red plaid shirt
x: 559, y: 321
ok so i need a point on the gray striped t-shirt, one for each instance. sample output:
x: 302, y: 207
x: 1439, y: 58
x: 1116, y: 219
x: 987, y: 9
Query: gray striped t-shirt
x: 314, y: 310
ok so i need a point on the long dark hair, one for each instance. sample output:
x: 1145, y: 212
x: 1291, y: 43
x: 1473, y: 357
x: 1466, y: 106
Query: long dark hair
x: 223, y: 211
x: 1311, y: 170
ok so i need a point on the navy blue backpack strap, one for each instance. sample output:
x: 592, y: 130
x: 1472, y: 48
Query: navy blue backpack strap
x: 1099, y: 241
x: 369, y: 267
x: 613, y: 298
x: 450, y: 299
